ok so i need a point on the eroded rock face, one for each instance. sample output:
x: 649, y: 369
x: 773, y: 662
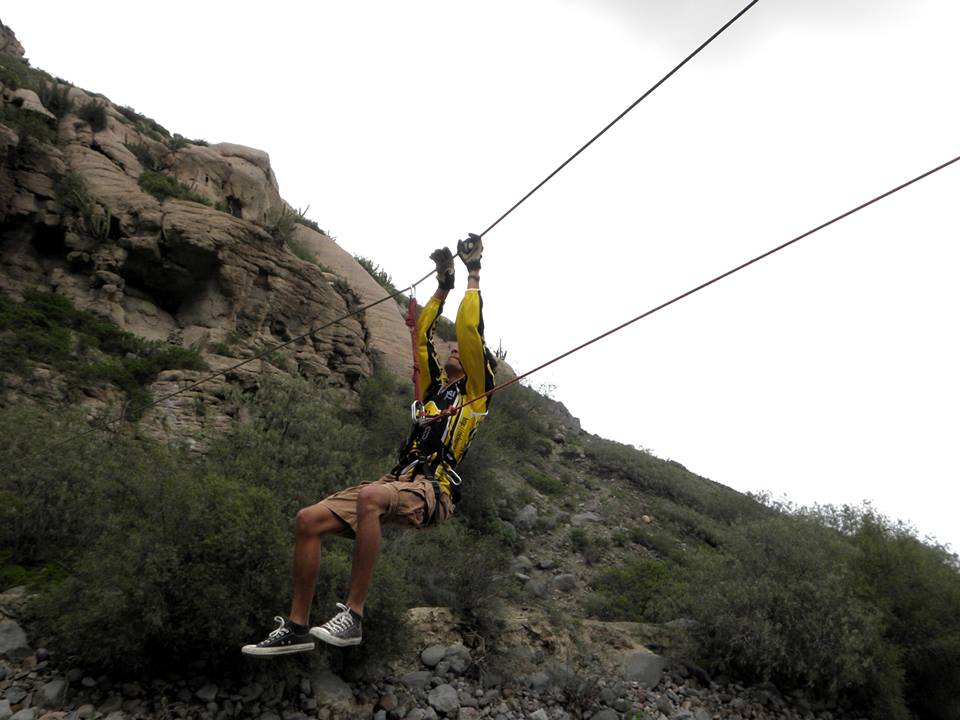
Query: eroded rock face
x: 388, y: 332
x: 9, y: 45
x: 238, y: 178
x: 74, y: 219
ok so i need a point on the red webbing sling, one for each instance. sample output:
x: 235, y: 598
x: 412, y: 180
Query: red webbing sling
x: 412, y: 324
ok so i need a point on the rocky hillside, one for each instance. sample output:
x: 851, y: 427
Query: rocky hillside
x: 175, y: 241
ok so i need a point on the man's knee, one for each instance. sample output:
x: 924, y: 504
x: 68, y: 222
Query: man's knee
x: 316, y: 520
x: 372, y: 499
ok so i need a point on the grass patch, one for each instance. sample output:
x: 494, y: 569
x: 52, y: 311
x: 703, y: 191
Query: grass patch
x: 312, y: 224
x: 445, y: 328
x: 145, y: 156
x: 149, y: 127
x: 543, y: 482
x: 378, y: 273
x: 46, y: 328
x: 178, y: 142
x: 17, y: 74
x: 164, y: 187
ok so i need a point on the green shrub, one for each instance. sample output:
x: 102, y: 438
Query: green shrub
x: 74, y: 193
x: 781, y: 606
x: 312, y: 224
x: 483, y: 493
x: 377, y: 273
x: 184, y: 567
x: 385, y: 629
x: 16, y: 73
x: 383, y: 411
x: 55, y: 97
x: 631, y: 591
x: 579, y: 540
x: 543, y: 482
x: 145, y: 156
x: 446, y: 329
x: 94, y: 113
x: 916, y: 585
x: 163, y: 187
x: 157, y: 543
x: 659, y: 541
x: 296, y: 443
x: 178, y: 142
x: 452, y: 567
x: 147, y: 125
x: 39, y: 493
x: 512, y: 429
x: 690, y: 522
x: 670, y: 480
x: 281, y: 225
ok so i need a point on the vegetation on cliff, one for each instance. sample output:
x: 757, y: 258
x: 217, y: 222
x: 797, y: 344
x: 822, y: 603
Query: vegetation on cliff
x: 45, y: 328
x: 186, y: 556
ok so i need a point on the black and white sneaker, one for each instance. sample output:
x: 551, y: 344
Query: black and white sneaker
x: 342, y: 629
x: 282, y: 641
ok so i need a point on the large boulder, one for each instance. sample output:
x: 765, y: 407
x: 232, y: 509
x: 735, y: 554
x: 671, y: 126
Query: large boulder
x: 444, y: 698
x: 237, y: 177
x: 13, y: 642
x: 644, y: 668
x: 331, y: 692
x: 28, y: 100
x: 53, y: 693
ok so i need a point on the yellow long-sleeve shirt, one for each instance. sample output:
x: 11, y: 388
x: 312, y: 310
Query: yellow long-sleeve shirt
x: 439, y: 446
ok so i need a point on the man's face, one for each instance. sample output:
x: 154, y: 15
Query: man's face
x: 452, y: 367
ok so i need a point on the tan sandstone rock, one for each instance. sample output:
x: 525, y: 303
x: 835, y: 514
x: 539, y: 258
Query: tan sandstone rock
x: 388, y: 330
x: 29, y: 101
x: 239, y: 178
x: 9, y: 45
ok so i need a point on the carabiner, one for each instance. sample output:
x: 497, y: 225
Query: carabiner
x: 416, y: 412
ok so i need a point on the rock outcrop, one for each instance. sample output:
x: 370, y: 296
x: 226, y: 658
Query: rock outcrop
x: 9, y: 45
x: 205, y: 271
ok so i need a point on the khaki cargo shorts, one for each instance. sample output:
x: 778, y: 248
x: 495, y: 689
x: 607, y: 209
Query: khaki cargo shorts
x: 412, y: 503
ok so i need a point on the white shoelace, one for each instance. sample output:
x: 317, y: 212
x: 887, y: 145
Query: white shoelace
x: 280, y: 630
x: 341, y: 621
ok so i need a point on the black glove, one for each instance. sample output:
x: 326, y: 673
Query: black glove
x: 445, y: 272
x: 470, y: 251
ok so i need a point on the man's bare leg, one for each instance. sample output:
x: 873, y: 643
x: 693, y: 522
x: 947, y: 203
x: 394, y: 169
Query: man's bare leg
x: 312, y: 523
x: 372, y: 502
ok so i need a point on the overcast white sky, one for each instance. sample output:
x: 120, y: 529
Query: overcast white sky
x: 827, y: 373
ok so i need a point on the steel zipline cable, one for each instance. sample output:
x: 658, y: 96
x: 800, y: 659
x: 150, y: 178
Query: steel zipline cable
x: 619, y: 117
x: 702, y: 286
x: 412, y: 287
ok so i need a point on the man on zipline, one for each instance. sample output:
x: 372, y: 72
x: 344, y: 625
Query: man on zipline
x: 423, y: 487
